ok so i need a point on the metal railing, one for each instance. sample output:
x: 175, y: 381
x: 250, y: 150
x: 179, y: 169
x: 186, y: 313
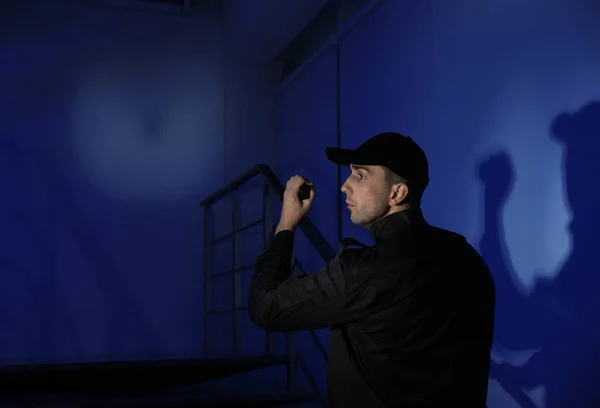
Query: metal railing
x: 271, y: 185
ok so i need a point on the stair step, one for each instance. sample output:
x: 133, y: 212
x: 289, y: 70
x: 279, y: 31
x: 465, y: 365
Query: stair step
x: 123, y: 378
x: 180, y: 401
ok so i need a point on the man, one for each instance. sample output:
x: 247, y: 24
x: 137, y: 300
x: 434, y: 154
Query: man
x: 412, y: 317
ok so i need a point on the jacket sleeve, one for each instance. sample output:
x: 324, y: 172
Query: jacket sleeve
x: 280, y: 303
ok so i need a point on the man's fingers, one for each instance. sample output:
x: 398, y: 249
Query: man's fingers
x: 295, y: 182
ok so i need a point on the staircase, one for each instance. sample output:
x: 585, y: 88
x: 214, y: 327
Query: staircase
x: 270, y: 187
x: 189, y: 382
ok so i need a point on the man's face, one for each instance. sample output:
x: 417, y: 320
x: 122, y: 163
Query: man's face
x: 367, y: 194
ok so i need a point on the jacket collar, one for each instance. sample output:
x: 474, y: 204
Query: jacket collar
x: 396, y: 223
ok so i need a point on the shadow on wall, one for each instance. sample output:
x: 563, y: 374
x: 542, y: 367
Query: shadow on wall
x: 559, y: 317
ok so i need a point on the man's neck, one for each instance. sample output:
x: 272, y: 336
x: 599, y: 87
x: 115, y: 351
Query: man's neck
x: 393, y: 210
x: 401, y: 207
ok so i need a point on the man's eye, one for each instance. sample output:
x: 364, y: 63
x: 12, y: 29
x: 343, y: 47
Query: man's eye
x: 360, y: 176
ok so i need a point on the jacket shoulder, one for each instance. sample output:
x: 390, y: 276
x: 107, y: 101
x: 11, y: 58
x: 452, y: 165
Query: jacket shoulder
x: 444, y: 234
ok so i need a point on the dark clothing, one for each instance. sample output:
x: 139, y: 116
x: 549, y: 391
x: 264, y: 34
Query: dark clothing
x: 411, y: 318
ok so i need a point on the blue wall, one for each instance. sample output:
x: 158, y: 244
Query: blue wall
x: 112, y: 129
x: 481, y: 86
x: 101, y: 233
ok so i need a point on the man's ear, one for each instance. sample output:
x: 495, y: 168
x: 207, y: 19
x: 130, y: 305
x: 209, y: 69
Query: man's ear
x: 398, y: 194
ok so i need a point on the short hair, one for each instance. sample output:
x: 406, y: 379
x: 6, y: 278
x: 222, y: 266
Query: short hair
x: 392, y: 178
x: 414, y: 195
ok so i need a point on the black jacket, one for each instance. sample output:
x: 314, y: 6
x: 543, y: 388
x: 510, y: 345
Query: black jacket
x: 411, y: 318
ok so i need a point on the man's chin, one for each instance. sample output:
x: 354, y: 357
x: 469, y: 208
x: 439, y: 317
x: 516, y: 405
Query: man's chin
x: 361, y: 223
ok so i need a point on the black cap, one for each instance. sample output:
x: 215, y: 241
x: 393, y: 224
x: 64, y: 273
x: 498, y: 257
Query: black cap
x: 399, y: 153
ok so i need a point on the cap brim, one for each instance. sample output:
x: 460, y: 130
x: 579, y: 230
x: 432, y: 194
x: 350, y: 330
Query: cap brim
x: 345, y: 157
